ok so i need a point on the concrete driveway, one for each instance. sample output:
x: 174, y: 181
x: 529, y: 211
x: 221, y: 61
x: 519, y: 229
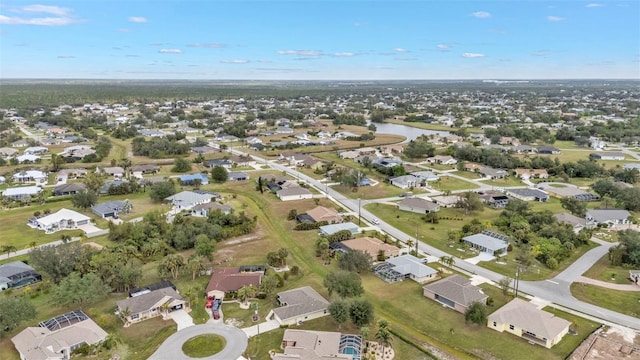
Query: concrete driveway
x: 181, y: 318
x: 172, y: 347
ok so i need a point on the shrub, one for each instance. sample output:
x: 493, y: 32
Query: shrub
x: 294, y: 270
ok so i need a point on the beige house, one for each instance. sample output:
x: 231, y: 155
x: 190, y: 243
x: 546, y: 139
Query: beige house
x: 298, y: 305
x: 319, y: 345
x: 151, y: 304
x: 321, y: 213
x: 57, y: 338
x: 524, y: 319
x: 371, y: 246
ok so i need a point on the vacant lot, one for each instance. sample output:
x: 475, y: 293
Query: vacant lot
x: 624, y: 302
x: 603, y: 270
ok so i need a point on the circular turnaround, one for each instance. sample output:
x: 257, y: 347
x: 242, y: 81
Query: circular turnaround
x: 235, y: 343
x: 203, y: 345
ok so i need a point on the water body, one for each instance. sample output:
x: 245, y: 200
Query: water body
x: 411, y: 133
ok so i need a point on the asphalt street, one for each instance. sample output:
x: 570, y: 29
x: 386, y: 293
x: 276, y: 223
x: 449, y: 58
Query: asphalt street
x: 171, y: 349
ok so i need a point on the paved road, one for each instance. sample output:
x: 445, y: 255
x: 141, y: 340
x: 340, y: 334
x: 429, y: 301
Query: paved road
x: 555, y: 290
x: 172, y: 347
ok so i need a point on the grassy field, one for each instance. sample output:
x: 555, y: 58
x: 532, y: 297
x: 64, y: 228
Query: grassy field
x: 603, y: 270
x: 504, y: 182
x: 448, y: 183
x: 624, y: 302
x: 467, y: 174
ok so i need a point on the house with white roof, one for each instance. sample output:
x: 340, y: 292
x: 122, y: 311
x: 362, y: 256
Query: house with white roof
x: 63, y: 219
x: 24, y: 193
x: 405, y: 267
x: 607, y: 216
x: 488, y: 242
x: 298, y: 305
x: 36, y: 150
x: 30, y: 176
x: 27, y: 158
x: 186, y: 200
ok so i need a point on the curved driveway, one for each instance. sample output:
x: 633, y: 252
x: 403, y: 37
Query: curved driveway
x: 172, y: 347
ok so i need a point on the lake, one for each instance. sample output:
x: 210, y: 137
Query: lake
x: 411, y: 133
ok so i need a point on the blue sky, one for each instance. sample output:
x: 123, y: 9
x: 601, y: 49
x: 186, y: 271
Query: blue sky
x: 330, y: 39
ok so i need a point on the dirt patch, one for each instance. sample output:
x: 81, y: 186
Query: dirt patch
x: 607, y: 344
x: 256, y: 235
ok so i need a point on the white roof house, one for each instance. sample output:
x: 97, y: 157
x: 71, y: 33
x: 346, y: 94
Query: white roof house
x: 487, y: 243
x: 608, y: 216
x: 188, y: 199
x: 21, y: 193
x: 27, y: 158
x: 30, y: 176
x: 61, y: 220
x: 412, y: 267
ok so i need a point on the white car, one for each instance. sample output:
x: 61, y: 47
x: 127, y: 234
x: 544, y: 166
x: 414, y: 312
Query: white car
x: 375, y: 221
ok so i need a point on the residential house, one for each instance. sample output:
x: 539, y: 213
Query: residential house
x: 426, y: 176
x: 111, y: 209
x: 405, y: 267
x: 207, y: 208
x: 368, y: 245
x: 68, y: 189
x: 140, y: 170
x: 391, y: 150
x: 386, y: 163
x: 334, y: 228
x: 528, y: 194
x: 77, y: 152
x: 186, y: 200
x: 605, y: 155
x: 149, y: 288
x: 298, y: 305
x: 151, y: 304
x: 321, y: 213
x: 319, y: 345
x: 30, y: 177
x: 418, y: 205
x: 201, y: 150
x: 17, y: 274
x: 455, y: 292
x: 116, y: 171
x: 492, y: 173
x: 607, y: 217
x: 524, y: 319
x: 577, y: 223
x: 344, y: 135
x: 494, y: 199
x: 237, y: 176
x: 193, y: 179
x: 226, y: 280
x: 631, y: 166
x: 532, y: 174
x: 66, y: 174
x: 525, y: 149
x: 294, y: 193
x: 57, y: 338
x: 405, y: 181
x: 225, y: 163
x: 447, y: 201
x: 349, y: 154
x: 63, y: 219
x: 24, y: 193
x: 27, y: 159
x: 104, y: 189
x: 548, y: 149
x: 489, y: 242
x: 7, y: 152
x: 442, y: 160
x: 36, y: 150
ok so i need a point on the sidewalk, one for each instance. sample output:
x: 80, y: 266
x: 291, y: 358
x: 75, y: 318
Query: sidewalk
x: 604, y: 284
x: 261, y: 328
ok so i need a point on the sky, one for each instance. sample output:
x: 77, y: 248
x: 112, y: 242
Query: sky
x: 319, y: 40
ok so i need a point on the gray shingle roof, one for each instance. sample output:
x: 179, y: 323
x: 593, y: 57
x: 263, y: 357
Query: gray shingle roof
x: 457, y: 289
x: 145, y: 302
x: 409, y: 264
x: 298, y: 302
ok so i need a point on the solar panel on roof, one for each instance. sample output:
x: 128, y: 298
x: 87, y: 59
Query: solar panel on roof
x: 495, y: 235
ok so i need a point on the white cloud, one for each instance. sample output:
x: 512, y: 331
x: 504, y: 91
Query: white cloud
x: 137, y: 19
x: 123, y: 30
x: 473, y: 55
x: 481, y: 14
x: 344, y: 54
x: 400, y: 50
x: 238, y: 61
x: 54, y: 10
x: 443, y: 46
x: 170, y: 51
x: 300, y: 52
x: 213, y: 45
x: 264, y: 61
x: 593, y: 5
x: 357, y: 24
x: 46, y: 21
x: 555, y: 18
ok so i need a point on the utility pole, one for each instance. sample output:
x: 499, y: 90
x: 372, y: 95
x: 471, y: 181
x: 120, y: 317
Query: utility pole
x: 359, y: 212
x: 517, y: 281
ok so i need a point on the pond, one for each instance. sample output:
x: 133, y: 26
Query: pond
x: 411, y: 133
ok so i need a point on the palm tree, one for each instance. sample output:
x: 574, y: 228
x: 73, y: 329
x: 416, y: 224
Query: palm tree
x: 364, y: 331
x: 9, y: 249
x: 383, y: 336
x: 195, y: 264
x: 124, y: 315
x: 32, y: 245
x: 246, y: 292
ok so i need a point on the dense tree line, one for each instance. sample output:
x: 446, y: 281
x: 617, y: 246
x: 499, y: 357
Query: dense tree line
x: 627, y: 253
x: 159, y: 147
x: 350, y: 119
x: 627, y: 198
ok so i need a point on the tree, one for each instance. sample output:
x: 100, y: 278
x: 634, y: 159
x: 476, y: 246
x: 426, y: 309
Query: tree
x: 205, y: 246
x: 383, y: 335
x: 339, y: 311
x: 84, y: 199
x: 219, y: 174
x: 357, y: 261
x: 260, y: 185
x: 344, y: 283
x: 476, y: 313
x: 246, y: 292
x: 278, y: 258
x: 93, y: 181
x: 364, y: 331
x: 469, y: 201
x: 76, y: 289
x: 574, y: 206
x: 361, y: 312
x: 181, y: 165
x: 505, y: 285
x: 293, y: 213
x: 161, y: 190
x: 56, y: 162
x: 59, y: 261
x: 21, y: 310
x: 268, y: 284
x: 195, y: 264
x: 171, y: 264
x: 8, y: 249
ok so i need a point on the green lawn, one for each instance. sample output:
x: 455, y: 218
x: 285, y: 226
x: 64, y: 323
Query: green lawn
x: 442, y: 167
x: 603, y: 270
x: 624, y: 302
x: 505, y: 182
x: 204, y: 345
x: 448, y: 183
x: 467, y: 174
